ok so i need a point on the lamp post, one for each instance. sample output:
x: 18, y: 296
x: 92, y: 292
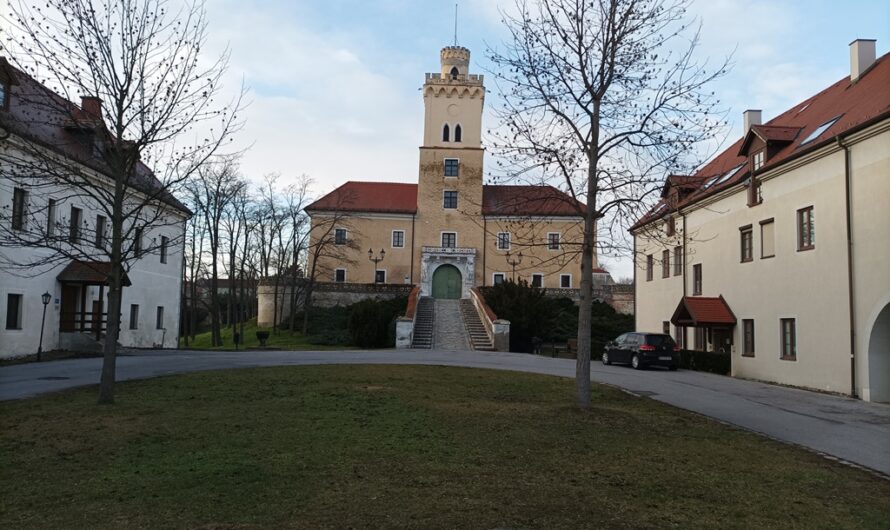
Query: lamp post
x: 514, y: 262
x: 376, y: 259
x: 45, y: 297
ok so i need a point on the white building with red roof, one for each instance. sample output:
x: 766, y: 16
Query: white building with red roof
x: 778, y: 250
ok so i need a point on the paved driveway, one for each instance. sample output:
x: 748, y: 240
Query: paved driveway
x: 848, y: 429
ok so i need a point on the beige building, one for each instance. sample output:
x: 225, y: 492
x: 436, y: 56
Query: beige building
x: 449, y: 232
x: 777, y: 250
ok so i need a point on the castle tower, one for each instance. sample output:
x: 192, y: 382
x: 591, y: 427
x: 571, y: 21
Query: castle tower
x: 449, y: 191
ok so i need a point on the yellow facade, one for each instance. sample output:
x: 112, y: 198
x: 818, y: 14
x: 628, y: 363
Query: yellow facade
x: 449, y: 200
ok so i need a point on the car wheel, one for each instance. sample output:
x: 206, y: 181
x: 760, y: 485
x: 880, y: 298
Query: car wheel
x: 672, y: 367
x: 606, y: 359
x: 635, y: 362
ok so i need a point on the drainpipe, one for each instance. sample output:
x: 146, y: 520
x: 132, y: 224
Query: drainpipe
x: 413, y: 217
x: 683, y: 270
x: 850, y: 293
x: 484, y: 246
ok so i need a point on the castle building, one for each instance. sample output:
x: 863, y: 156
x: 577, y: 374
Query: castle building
x: 449, y: 232
x: 777, y: 250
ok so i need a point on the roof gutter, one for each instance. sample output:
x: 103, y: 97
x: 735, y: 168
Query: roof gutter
x: 850, y: 279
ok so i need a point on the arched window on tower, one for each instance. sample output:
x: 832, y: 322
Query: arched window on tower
x: 454, y: 72
x: 457, y: 133
x: 446, y: 134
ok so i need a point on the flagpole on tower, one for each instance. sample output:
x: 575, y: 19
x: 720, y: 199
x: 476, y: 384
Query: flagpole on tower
x: 455, y: 23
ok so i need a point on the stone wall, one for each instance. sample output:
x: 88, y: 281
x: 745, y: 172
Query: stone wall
x: 619, y: 296
x: 325, y: 294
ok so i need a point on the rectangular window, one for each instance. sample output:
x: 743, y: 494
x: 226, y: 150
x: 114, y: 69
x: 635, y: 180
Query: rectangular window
x: 767, y: 238
x: 398, y: 238
x: 680, y: 336
x: 748, y: 337
x: 449, y: 239
x: 18, y: 209
x: 747, y: 243
x: 379, y: 276
x: 137, y: 242
x: 789, y: 339
x: 553, y: 241
x: 670, y: 226
x: 806, y: 229
x: 565, y: 281
x: 758, y: 159
x: 74, y: 225
x: 100, y: 231
x: 450, y: 200
x: 665, y: 327
x: 51, y: 218
x: 649, y: 263
x: 678, y: 260
x: 754, y: 192
x: 340, y: 275
x: 537, y: 280
x: 665, y: 264
x: 452, y: 166
x: 164, y: 242
x: 159, y: 320
x: 497, y: 278
x: 503, y: 241
x: 13, y: 311
x: 696, y: 279
x: 700, y: 339
x: 134, y: 316
x: 340, y: 236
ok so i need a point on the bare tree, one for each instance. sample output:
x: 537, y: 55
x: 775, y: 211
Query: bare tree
x: 155, y: 106
x: 602, y: 98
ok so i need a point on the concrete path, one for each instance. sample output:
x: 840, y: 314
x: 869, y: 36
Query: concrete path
x: 847, y: 429
x: 449, y: 332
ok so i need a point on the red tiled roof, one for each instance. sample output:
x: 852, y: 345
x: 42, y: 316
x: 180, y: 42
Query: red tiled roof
x: 383, y: 197
x: 854, y: 104
x: 703, y: 311
x: 529, y: 200
x: 394, y: 197
x: 36, y: 113
x: 88, y: 273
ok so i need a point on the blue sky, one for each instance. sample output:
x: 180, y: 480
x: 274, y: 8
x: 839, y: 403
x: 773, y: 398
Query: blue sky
x: 334, y: 84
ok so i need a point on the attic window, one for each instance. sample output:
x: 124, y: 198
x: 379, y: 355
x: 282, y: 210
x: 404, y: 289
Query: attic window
x: 819, y: 130
x: 726, y: 176
x: 803, y: 108
x: 758, y: 159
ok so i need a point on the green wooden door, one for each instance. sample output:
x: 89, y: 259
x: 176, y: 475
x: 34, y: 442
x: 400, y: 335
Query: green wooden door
x: 447, y: 282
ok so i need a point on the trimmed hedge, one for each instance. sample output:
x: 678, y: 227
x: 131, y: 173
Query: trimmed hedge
x: 372, y: 323
x: 706, y: 361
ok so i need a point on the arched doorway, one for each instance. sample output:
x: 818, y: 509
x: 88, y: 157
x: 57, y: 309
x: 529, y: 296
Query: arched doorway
x: 879, y: 358
x: 447, y: 282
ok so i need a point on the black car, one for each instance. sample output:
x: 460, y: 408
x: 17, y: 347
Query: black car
x: 643, y: 349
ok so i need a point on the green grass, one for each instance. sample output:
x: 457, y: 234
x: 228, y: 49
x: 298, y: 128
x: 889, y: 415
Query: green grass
x: 406, y: 447
x: 281, y: 339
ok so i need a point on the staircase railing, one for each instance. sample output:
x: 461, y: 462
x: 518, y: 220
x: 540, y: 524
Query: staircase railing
x: 498, y: 330
x: 405, y: 324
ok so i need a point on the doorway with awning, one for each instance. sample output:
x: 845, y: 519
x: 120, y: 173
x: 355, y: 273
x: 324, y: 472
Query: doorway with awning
x: 712, y: 320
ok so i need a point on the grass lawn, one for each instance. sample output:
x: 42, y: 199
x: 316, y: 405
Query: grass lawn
x: 394, y: 446
x: 282, y: 339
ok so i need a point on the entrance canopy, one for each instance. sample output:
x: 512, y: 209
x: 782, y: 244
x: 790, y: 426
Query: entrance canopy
x: 703, y: 312
x: 88, y: 273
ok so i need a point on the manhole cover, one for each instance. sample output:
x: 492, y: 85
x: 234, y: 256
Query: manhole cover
x: 53, y: 378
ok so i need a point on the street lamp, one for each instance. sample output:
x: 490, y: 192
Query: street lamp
x: 514, y: 262
x: 45, y: 297
x: 376, y: 259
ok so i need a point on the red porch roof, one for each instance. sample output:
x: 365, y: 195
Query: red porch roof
x: 701, y: 311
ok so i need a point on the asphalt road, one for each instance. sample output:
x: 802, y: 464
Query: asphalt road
x: 844, y: 428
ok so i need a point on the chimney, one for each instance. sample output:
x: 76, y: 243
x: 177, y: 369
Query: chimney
x: 862, y: 56
x: 92, y: 106
x: 751, y: 117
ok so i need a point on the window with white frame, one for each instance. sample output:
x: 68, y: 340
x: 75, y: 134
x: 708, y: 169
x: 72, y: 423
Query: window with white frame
x: 159, y: 320
x: 537, y: 280
x: 758, y: 159
x: 165, y: 242
x: 449, y: 239
x: 51, y: 218
x: 18, y: 208
x: 13, y: 311
x: 340, y: 236
x: 449, y: 199
x: 565, y: 281
x: 340, y: 275
x: 380, y: 276
x: 398, y: 238
x: 553, y: 240
x: 452, y: 167
x: 503, y: 240
x: 497, y: 278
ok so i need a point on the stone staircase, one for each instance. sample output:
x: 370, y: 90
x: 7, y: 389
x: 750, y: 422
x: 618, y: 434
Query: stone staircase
x: 449, y: 332
x: 423, y: 323
x: 479, y: 339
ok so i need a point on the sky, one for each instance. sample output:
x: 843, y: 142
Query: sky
x: 334, y: 85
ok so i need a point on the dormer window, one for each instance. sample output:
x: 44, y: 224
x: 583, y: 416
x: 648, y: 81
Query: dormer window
x: 454, y: 72
x: 758, y: 159
x: 446, y: 133
x: 457, y: 133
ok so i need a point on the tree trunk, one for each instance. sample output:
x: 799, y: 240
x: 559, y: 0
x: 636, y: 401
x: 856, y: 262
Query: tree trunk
x: 115, y: 290
x: 216, y: 337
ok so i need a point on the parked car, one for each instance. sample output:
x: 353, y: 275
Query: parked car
x: 643, y: 349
